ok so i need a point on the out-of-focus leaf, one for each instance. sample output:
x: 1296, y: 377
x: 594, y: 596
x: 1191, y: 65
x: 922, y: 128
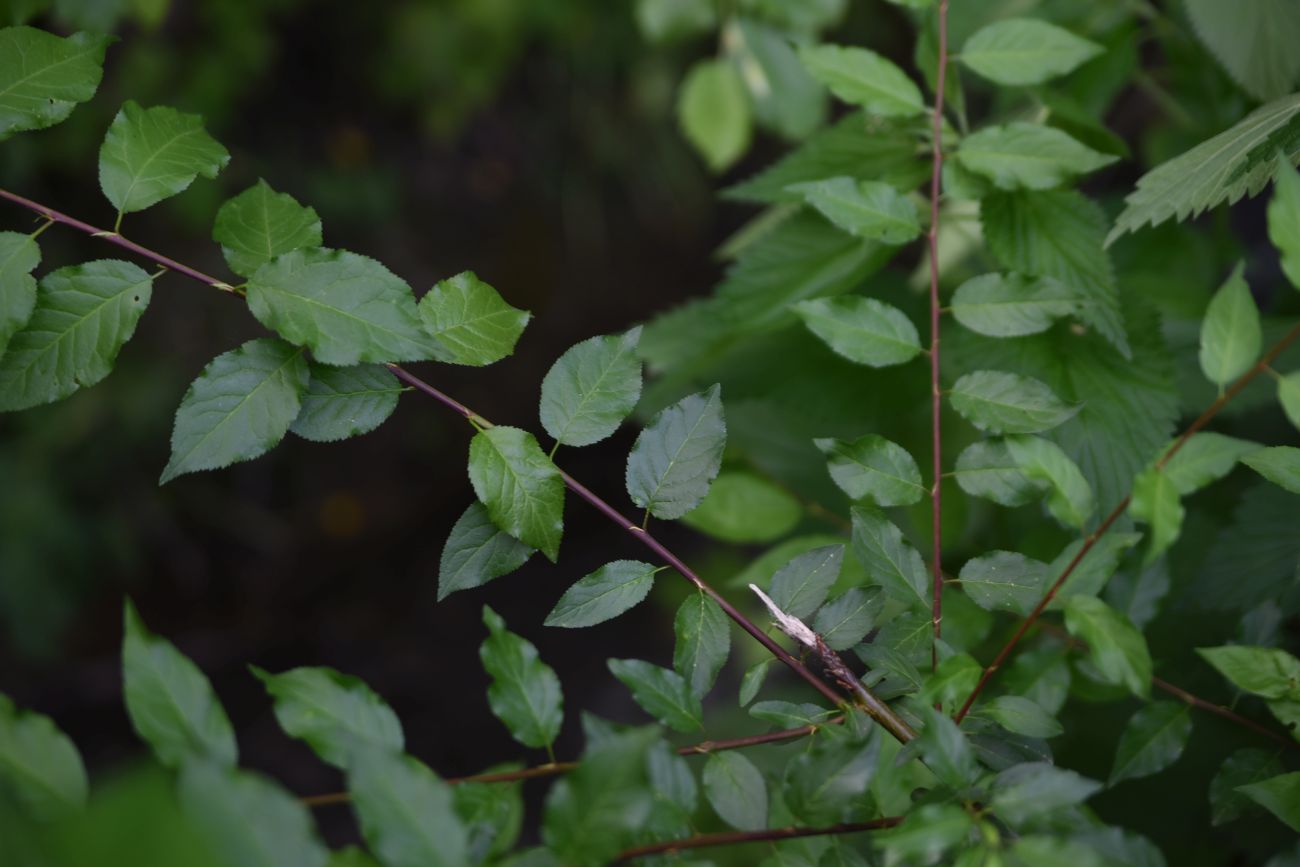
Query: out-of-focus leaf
x: 1241, y: 768
x: 39, y: 764
x: 873, y: 469
x: 406, y: 812
x: 662, y: 693
x: 741, y: 507
x: 1034, y: 788
x: 1022, y: 51
x: 1152, y: 741
x: 19, y: 256
x: 869, y: 209
x: 1117, y: 648
x: 714, y: 113
x: 1252, y: 39
x: 1230, y: 333
x: 862, y: 77
x: 1280, y: 465
x: 863, y: 330
x: 736, y: 790
x: 1279, y: 795
x: 1026, y: 156
x: 525, y: 693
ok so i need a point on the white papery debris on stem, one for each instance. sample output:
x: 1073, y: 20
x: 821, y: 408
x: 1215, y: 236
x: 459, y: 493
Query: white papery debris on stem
x: 791, y: 626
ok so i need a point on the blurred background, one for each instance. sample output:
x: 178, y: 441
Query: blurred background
x: 537, y: 144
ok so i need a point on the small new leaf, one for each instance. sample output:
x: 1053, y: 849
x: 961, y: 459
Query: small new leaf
x: 476, y: 552
x: 520, y: 487
x: 604, y: 594
x: 259, y: 224
x: 678, y: 454
x: 662, y: 693
x: 343, y: 402
x: 470, y: 321
x: 862, y: 77
x: 525, y: 693
x: 151, y: 154
x: 591, y: 389
x: 1024, y: 51
x: 863, y: 330
x: 1230, y: 332
x: 1001, y: 402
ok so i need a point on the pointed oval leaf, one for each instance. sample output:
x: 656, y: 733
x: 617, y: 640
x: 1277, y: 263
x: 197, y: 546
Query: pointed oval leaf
x: 39, y: 764
x: 862, y: 77
x: 1027, y: 790
x: 603, y: 595
x: 1001, y: 402
x: 151, y: 154
x: 1004, y: 581
x: 406, y: 812
x: 592, y: 388
x: 1279, y: 464
x: 19, y: 256
x: 1240, y: 769
x: 1288, y: 394
x: 1157, y: 503
x: 873, y: 469
x: 863, y: 330
x: 83, y: 316
x: 753, y: 680
x: 799, y: 587
x: 713, y: 111
x: 239, y: 408
x: 868, y: 209
x: 43, y: 76
x: 520, y: 487
x: 1021, y: 716
x: 525, y: 693
x: 476, y: 552
x: 248, y: 819
x: 946, y: 751
x: 1027, y: 156
x: 1070, y: 498
x: 1023, y: 51
x: 741, y: 507
x: 470, y: 320
x: 662, y: 693
x: 847, y: 618
x: 1013, y: 305
x: 1252, y: 40
x: 347, y: 308
x: 986, y: 469
x: 1205, y: 457
x: 170, y: 701
x: 736, y: 790
x: 343, y: 402
x: 822, y: 784
x: 703, y: 642
x: 1284, y: 219
x: 1116, y: 646
x: 1152, y: 741
x: 259, y: 224
x: 492, y: 813
x: 1230, y: 332
x: 336, y: 714
x: 890, y: 560
x: 677, y: 456
x: 1269, y: 672
x: 1279, y: 795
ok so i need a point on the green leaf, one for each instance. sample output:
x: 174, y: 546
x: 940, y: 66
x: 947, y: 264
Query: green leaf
x: 863, y: 330
x: 1152, y: 741
x: 39, y: 764
x: 662, y: 693
x: 1023, y: 51
x: 1117, y: 648
x: 1004, y: 581
x: 592, y: 388
x: 520, y: 487
x: 873, y: 469
x: 336, y: 714
x: 1230, y: 332
x: 986, y: 469
x: 492, y: 813
x: 1042, y: 676
x: 1253, y: 40
x: 19, y: 256
x: 1279, y: 795
x: 1284, y: 219
x: 951, y: 682
x: 1279, y: 464
x: 1094, y: 570
x: 1026, y: 156
x: 890, y: 560
x: 1013, y: 305
x: 406, y: 812
x: 1001, y: 402
x: 799, y: 587
x: 1042, y: 850
x: 593, y: 813
x: 1058, y: 234
x: 151, y: 154
x: 713, y: 111
x: 1205, y: 457
x: 1288, y: 394
x: 347, y: 308
x: 343, y: 402
x: 83, y: 316
x: 1021, y: 716
x: 753, y: 680
x: 736, y: 790
x: 1216, y: 170
x: 603, y: 595
x: 1070, y: 497
x: 786, y: 99
x: 926, y: 834
x: 847, y: 618
x: 671, y: 777
x: 43, y: 76
x: 476, y: 552
x: 862, y: 77
x: 259, y: 224
x: 470, y: 320
x: 868, y: 209
x: 247, y: 819
x: 351, y: 856
x: 1156, y: 502
x: 823, y: 783
x: 945, y: 750
x: 663, y: 21
x: 239, y: 408
x: 170, y: 701
x: 741, y: 507
x: 677, y: 455
x: 1264, y: 671
x: 525, y: 693
x: 1025, y: 791
x: 789, y: 715
x: 703, y: 642
x: 1239, y: 769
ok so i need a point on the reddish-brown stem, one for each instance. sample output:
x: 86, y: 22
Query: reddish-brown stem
x: 878, y: 710
x: 731, y: 838
x: 1201, y: 421
x: 936, y: 402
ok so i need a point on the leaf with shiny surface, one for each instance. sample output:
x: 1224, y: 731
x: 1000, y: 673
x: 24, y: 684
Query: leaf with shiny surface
x: 476, y: 552
x: 344, y: 402
x: 592, y: 388
x: 678, y: 454
x: 662, y: 693
x: 603, y: 595
x: 1001, y: 402
x: 525, y: 693
x: 470, y: 321
x: 151, y: 154
x: 520, y: 487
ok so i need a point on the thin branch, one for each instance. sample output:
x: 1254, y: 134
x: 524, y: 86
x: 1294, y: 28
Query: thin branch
x: 1201, y: 421
x: 936, y: 402
x: 879, y: 711
x: 731, y: 838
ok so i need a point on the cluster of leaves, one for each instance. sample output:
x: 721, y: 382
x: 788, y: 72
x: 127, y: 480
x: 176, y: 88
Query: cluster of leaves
x: 1063, y: 386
